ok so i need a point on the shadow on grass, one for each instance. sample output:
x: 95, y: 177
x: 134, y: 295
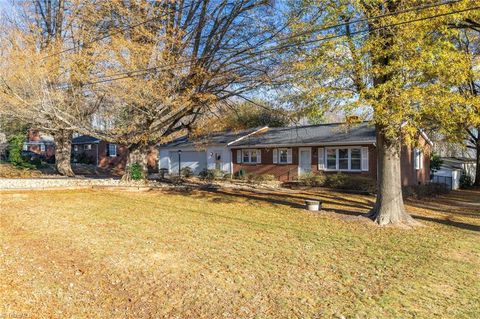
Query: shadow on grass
x: 297, y: 201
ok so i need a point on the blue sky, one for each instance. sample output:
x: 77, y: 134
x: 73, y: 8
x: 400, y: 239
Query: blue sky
x: 5, y: 5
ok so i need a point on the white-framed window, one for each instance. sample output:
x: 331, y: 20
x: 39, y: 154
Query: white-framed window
x: 112, y: 150
x: 332, y: 158
x: 87, y: 147
x: 343, y: 159
x: 356, y: 159
x: 42, y: 147
x: 417, y: 158
x: 282, y: 156
x: 251, y: 156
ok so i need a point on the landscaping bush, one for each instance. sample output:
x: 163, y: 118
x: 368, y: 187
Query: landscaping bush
x: 351, y: 182
x: 336, y: 180
x: 136, y: 171
x: 83, y: 158
x: 313, y: 180
x: 186, y: 172
x: 241, y: 174
x: 15, y: 144
x: 266, y: 178
x: 425, y: 191
x: 466, y: 181
x: 259, y: 178
x: 36, y: 162
x: 212, y: 174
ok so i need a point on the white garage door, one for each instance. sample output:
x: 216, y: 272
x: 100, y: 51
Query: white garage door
x: 197, y: 161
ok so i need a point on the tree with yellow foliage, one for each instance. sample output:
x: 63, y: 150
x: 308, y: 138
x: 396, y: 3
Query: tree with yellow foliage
x: 40, y: 85
x: 394, y: 62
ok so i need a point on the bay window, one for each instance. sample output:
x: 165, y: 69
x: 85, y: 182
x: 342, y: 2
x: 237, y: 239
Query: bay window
x: 345, y: 159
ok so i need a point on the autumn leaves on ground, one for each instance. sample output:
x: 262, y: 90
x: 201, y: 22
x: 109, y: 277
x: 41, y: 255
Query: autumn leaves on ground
x: 96, y: 254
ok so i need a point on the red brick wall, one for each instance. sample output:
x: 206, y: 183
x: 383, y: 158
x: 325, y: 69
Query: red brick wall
x: 411, y: 176
x: 118, y: 162
x: 112, y: 162
x: 34, y: 136
x: 289, y: 172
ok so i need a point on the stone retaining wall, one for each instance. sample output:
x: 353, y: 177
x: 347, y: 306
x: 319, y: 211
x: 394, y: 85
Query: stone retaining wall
x: 43, y: 183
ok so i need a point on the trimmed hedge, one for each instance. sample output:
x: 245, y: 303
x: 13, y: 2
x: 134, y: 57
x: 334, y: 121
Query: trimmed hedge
x: 339, y: 181
x: 425, y: 191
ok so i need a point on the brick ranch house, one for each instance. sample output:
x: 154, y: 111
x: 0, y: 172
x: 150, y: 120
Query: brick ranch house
x: 289, y: 152
x: 40, y: 144
x: 90, y: 150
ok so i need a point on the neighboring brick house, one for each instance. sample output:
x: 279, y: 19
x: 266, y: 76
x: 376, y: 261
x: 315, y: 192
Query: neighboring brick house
x: 90, y: 150
x: 40, y: 144
x: 291, y: 151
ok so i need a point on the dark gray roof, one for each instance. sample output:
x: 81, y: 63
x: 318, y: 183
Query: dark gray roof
x: 336, y: 133
x: 85, y: 139
x: 221, y: 138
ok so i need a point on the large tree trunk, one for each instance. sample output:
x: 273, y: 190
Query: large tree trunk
x: 137, y: 155
x: 63, y: 152
x: 477, y: 173
x: 389, y: 207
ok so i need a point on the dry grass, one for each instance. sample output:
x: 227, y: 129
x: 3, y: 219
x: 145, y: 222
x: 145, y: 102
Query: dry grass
x: 93, y: 254
x: 10, y: 171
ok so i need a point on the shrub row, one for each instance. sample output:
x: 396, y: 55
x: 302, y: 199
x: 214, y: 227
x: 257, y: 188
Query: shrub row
x: 424, y: 191
x: 339, y: 181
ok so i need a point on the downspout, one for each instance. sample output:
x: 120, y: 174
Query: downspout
x: 231, y: 163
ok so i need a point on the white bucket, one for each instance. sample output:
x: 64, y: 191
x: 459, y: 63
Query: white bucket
x: 312, y: 205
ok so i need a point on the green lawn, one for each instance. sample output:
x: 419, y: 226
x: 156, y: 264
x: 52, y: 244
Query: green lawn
x: 98, y: 254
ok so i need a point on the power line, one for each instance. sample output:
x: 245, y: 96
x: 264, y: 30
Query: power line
x: 133, y: 73
x: 390, y: 14
x: 415, y: 8
x: 105, y: 36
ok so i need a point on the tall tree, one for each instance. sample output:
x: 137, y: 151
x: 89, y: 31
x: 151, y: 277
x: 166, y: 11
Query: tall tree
x: 248, y: 115
x: 397, y: 68
x: 468, y: 42
x: 174, y: 61
x: 40, y: 83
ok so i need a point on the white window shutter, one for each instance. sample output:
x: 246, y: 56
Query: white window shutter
x: 289, y: 156
x: 364, y: 158
x: 275, y: 156
x: 421, y: 159
x: 259, y: 156
x: 239, y: 156
x: 321, y: 159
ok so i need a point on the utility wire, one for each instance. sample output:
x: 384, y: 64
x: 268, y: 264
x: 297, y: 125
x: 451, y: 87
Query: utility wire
x: 141, y: 72
x: 107, y: 35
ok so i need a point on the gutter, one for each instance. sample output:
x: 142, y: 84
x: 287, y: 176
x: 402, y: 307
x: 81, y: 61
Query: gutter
x: 339, y: 143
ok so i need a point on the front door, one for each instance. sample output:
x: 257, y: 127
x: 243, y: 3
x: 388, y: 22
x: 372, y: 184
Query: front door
x: 218, y: 161
x: 304, y: 160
